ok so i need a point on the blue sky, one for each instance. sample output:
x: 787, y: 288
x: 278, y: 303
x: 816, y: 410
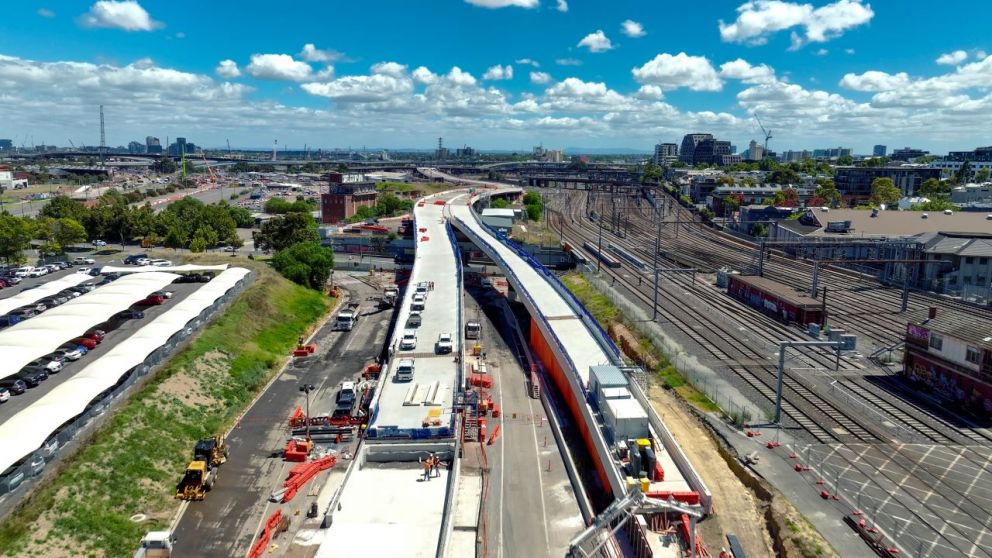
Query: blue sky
x: 624, y: 73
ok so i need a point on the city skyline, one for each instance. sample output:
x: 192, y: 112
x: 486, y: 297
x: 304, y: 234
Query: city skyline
x: 496, y: 74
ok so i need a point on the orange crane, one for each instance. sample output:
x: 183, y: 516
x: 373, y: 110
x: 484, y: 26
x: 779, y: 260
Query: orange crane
x: 210, y: 171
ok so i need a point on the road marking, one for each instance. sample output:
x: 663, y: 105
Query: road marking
x: 540, y: 479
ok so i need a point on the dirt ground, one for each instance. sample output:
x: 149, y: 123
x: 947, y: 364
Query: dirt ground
x: 736, y: 509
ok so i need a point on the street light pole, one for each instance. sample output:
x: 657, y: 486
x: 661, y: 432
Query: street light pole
x: 307, y: 388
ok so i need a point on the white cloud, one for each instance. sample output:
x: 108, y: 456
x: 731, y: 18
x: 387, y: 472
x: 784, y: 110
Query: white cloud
x: 757, y: 19
x: 278, y: 67
x: 681, y: 70
x: 568, y: 62
x: 227, y: 69
x: 389, y: 69
x: 822, y: 52
x: 741, y: 69
x: 124, y: 14
x: 528, y: 62
x: 311, y: 53
x: 562, y: 6
x: 540, y: 78
x: 575, y: 87
x: 498, y: 72
x: 632, y: 28
x: 361, y: 89
x: 980, y: 54
x: 874, y: 80
x: 45, y: 12
x: 504, y: 3
x: 180, y: 35
x: 649, y: 92
x: 596, y: 42
x: 952, y: 58
x: 423, y: 76
x: 849, y: 50
x: 458, y: 77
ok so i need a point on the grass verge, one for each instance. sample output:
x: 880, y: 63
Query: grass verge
x: 606, y: 313
x: 134, y: 460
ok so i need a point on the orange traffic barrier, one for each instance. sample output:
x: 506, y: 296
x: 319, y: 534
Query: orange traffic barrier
x: 297, y: 417
x: 484, y: 380
x: 265, y: 537
x: 302, y: 473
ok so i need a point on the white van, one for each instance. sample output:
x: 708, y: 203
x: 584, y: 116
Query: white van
x: 404, y: 370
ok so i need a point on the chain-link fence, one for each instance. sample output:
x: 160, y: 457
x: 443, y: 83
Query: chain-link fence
x: 60, y: 443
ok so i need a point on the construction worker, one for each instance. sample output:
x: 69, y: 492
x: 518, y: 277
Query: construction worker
x: 435, y: 466
x: 427, y: 468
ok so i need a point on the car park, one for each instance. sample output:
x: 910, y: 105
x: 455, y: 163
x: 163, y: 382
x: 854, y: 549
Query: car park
x: 4, y: 394
x: 83, y: 261
x: 444, y: 344
x: 409, y: 340
x: 16, y: 386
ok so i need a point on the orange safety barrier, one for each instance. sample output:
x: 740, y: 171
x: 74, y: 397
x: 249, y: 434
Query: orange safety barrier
x: 297, y: 417
x: 482, y: 429
x: 265, y: 537
x: 296, y: 452
x: 494, y: 436
x: 483, y: 380
x: 659, y: 472
x: 301, y: 353
x: 691, y: 498
x: 372, y: 370
x: 496, y: 410
x: 302, y: 473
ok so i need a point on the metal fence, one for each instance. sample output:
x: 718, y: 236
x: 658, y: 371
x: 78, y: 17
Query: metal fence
x: 28, y: 472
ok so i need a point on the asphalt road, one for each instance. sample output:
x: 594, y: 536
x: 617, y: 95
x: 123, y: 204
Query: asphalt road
x: 117, y: 331
x: 226, y: 522
x: 531, y: 507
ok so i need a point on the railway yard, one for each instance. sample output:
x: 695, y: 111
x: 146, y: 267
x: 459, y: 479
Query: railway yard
x: 878, y: 448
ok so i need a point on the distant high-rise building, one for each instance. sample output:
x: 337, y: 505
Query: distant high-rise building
x: 152, y: 145
x: 6, y: 145
x: 710, y: 151
x: 733, y: 149
x: 687, y: 153
x: 666, y: 154
x: 879, y: 151
x: 832, y: 152
x: 181, y: 146
x: 755, y: 151
x: 795, y: 156
x: 136, y: 147
x: 907, y: 154
x: 556, y: 156
x: 464, y: 152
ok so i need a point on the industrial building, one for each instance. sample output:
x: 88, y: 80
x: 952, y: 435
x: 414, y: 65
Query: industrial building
x: 854, y: 183
x: 346, y: 193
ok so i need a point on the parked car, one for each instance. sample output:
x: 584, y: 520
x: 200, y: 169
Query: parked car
x: 41, y: 307
x: 85, y: 342
x: 4, y: 394
x: 142, y: 261
x: 409, y: 340
x: 230, y: 249
x: 96, y: 335
x: 414, y: 320
x: 4, y: 283
x: 444, y: 344
x: 164, y: 294
x: 188, y: 278
x: 82, y: 289
x: 32, y: 378
x: 205, y: 277
x: 69, y: 294
x: 36, y: 465
x: 16, y: 386
x: 99, y: 243
x: 23, y: 272
x: 131, y: 314
x: 69, y: 353
x: 7, y: 320
x: 83, y: 261
x: 152, y: 300
x: 12, y: 279
x: 46, y: 364
x: 160, y: 263
x: 38, y: 272
x: 24, y: 312
x: 133, y: 259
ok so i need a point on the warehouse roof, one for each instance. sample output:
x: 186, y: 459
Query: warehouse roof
x: 779, y: 290
x: 901, y: 223
x: 967, y: 327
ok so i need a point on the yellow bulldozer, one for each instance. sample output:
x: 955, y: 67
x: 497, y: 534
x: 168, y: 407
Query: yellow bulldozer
x: 212, y: 450
x: 197, y: 481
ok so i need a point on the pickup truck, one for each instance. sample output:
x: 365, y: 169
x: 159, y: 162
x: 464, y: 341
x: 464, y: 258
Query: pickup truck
x: 156, y: 544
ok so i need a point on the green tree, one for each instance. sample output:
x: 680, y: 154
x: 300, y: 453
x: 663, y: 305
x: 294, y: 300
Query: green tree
x: 883, y: 190
x: 759, y: 230
x: 174, y: 238
x: 651, y: 173
x: 982, y: 175
x: 58, y: 234
x: 783, y: 175
x: 306, y: 263
x: 787, y: 197
x: 15, y: 237
x: 964, y: 173
x: 141, y: 222
x: 827, y: 190
x: 64, y: 206
x: 198, y: 244
x: 845, y: 160
x: 934, y: 188
x: 165, y: 165
x: 499, y: 203
x: 242, y: 217
x: 283, y: 231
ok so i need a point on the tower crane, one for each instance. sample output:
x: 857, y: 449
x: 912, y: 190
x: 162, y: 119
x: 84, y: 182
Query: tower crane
x: 768, y: 133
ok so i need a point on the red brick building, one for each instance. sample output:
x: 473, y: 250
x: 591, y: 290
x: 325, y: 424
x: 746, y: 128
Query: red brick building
x: 345, y: 194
